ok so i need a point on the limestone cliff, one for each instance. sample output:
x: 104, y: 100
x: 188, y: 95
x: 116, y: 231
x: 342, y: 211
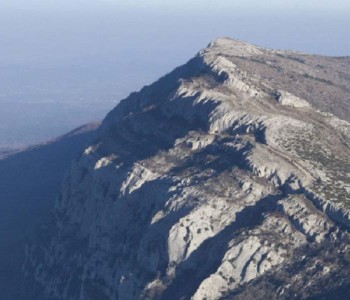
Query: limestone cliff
x: 225, y: 178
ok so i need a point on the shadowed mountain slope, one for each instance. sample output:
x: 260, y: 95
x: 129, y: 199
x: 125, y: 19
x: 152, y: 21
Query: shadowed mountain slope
x: 29, y: 182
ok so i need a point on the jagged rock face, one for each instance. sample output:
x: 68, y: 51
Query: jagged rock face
x: 210, y: 183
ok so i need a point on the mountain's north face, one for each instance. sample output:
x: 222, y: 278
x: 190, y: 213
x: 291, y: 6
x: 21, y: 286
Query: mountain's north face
x: 227, y: 178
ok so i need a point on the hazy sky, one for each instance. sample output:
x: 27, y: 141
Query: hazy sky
x: 181, y: 5
x: 98, y: 51
x: 151, y: 37
x: 76, y: 28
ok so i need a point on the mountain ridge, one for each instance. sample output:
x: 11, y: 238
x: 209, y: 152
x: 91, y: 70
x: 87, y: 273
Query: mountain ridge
x: 208, y: 181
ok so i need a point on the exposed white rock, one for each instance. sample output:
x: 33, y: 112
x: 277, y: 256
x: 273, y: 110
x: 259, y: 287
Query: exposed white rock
x: 235, y: 47
x: 248, y: 259
x: 288, y: 99
x: 103, y: 162
x: 306, y: 218
x: 136, y: 178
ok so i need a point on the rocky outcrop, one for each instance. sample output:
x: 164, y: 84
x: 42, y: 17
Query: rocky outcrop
x: 199, y: 186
